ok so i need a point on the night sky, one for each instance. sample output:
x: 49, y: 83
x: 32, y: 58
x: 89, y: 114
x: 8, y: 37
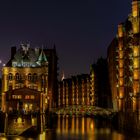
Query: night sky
x: 80, y: 29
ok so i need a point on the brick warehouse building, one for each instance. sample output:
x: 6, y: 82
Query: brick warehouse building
x: 29, y: 78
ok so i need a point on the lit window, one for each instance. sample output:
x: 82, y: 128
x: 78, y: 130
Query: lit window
x: 10, y: 77
x: 121, y: 73
x: 136, y: 51
x: 29, y: 77
x: 136, y: 63
x: 16, y: 96
x: 121, y: 92
x: 27, y: 97
x: 19, y: 96
x: 135, y: 26
x: 135, y: 10
x: 121, y: 63
x: 136, y: 75
x: 17, y: 76
x: 121, y: 82
x: 32, y: 97
x: 120, y: 30
x: 121, y: 54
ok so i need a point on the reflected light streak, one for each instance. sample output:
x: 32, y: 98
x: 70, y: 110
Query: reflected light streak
x: 58, y: 125
x: 77, y: 126
x: 73, y: 125
x: 63, y: 124
x: 18, y: 139
x: 3, y: 138
x: 67, y: 124
x: 42, y: 136
x: 83, y: 125
x: 116, y: 136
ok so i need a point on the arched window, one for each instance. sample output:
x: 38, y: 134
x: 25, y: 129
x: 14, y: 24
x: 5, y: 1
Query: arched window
x: 10, y: 76
x: 29, y: 77
x: 35, y: 77
x: 17, y: 76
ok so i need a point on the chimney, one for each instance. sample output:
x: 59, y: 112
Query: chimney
x: 13, y: 51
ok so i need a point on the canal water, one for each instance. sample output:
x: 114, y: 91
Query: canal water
x: 76, y: 128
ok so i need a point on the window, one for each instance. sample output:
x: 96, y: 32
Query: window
x: 32, y: 97
x: 35, y: 77
x: 29, y: 97
x: 29, y: 77
x: 10, y: 77
x: 136, y: 51
x: 16, y: 96
x: 17, y: 76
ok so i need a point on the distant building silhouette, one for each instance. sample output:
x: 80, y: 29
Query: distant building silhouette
x: 74, y: 91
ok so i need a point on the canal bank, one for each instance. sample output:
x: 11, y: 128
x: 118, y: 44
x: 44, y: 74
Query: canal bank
x: 124, y: 123
x: 20, y: 124
x: 128, y: 122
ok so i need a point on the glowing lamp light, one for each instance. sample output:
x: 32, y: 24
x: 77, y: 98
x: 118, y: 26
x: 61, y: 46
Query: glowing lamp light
x: 19, y: 120
x: 46, y: 101
x: 26, y: 105
x: 3, y: 139
x: 91, y: 126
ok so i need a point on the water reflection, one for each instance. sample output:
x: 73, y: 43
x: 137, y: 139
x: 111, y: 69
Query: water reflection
x: 77, y: 128
x: 75, y: 125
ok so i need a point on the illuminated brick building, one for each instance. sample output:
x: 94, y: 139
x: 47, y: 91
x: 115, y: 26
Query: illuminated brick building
x: 74, y: 91
x: 25, y: 77
x: 127, y: 68
x: 52, y: 58
x: 112, y: 69
x: 99, y: 84
x: 92, y: 86
x: 87, y: 89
